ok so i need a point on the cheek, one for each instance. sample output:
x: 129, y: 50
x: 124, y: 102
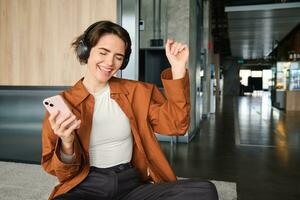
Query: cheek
x: 92, y: 63
x: 118, y: 64
x: 91, y: 67
x: 95, y: 57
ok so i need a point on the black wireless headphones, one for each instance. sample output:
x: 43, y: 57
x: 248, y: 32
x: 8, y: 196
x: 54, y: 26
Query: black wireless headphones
x: 83, y: 49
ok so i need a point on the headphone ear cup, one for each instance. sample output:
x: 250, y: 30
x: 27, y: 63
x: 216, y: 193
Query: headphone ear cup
x: 82, y: 51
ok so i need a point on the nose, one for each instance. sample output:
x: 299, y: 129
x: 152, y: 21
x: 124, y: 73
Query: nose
x: 109, y: 60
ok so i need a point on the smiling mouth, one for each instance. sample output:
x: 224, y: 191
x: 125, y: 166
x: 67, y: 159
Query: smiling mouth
x: 106, y: 71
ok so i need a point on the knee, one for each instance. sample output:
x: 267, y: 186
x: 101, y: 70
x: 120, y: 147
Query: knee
x: 208, y: 190
x: 210, y: 185
x: 211, y: 190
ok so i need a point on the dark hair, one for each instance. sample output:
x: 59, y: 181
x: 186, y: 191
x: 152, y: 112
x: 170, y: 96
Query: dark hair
x: 90, y: 37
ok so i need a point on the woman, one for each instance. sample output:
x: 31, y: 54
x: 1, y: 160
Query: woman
x: 110, y: 151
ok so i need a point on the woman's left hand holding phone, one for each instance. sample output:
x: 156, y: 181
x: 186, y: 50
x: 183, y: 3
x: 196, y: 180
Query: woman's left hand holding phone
x: 64, y: 128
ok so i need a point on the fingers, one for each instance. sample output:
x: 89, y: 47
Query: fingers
x: 63, y: 125
x: 60, y: 124
x: 52, y: 119
x: 177, y: 48
x: 183, y: 47
x: 174, y: 48
x: 53, y: 116
x: 168, y: 46
x: 75, y: 125
x: 68, y: 132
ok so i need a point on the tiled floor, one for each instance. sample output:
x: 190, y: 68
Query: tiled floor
x: 248, y: 142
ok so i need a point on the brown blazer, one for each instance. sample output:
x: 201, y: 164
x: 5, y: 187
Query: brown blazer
x: 148, y: 111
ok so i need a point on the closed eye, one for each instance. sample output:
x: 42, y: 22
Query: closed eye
x: 120, y: 58
x: 104, y: 51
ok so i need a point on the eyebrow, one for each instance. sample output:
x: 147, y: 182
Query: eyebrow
x: 107, y: 50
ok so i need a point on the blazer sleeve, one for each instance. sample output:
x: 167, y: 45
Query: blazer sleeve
x: 170, y: 114
x: 51, y: 161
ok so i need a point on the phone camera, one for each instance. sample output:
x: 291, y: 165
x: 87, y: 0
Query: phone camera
x: 47, y: 103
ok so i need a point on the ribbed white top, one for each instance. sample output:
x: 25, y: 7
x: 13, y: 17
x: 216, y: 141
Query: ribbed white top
x: 111, y: 138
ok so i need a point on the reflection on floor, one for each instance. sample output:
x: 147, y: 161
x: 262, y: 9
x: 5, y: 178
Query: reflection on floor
x: 249, y: 142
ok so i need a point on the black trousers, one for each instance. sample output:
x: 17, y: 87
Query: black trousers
x: 122, y: 182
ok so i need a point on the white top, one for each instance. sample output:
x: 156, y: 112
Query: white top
x: 111, y: 139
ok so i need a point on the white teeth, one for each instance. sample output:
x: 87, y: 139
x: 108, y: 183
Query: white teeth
x: 108, y: 70
x: 104, y: 69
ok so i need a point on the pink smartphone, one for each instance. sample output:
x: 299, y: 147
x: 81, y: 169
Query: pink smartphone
x: 57, y: 103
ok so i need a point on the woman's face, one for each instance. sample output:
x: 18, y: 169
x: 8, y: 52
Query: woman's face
x: 106, y: 57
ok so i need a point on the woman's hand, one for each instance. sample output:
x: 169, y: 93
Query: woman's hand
x: 178, y: 55
x: 64, y: 128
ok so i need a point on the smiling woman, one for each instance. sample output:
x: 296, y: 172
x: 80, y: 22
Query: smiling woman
x: 109, y: 141
x: 105, y: 49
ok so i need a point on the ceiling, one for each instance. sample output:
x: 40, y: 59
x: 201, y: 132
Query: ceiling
x: 255, y: 30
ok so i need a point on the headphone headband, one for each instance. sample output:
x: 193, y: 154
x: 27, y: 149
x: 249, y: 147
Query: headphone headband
x: 86, y: 32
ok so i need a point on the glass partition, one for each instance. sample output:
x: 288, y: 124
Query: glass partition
x: 294, y: 82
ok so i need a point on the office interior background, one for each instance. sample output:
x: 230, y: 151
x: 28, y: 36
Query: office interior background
x: 244, y: 69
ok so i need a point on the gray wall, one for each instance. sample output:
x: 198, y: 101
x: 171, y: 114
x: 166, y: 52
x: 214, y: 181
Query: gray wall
x: 178, y: 23
x: 146, y: 14
x: 193, y: 62
x: 175, y: 20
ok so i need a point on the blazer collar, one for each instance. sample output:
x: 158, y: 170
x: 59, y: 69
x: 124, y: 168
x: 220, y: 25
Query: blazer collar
x: 79, y: 92
x: 116, y: 86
